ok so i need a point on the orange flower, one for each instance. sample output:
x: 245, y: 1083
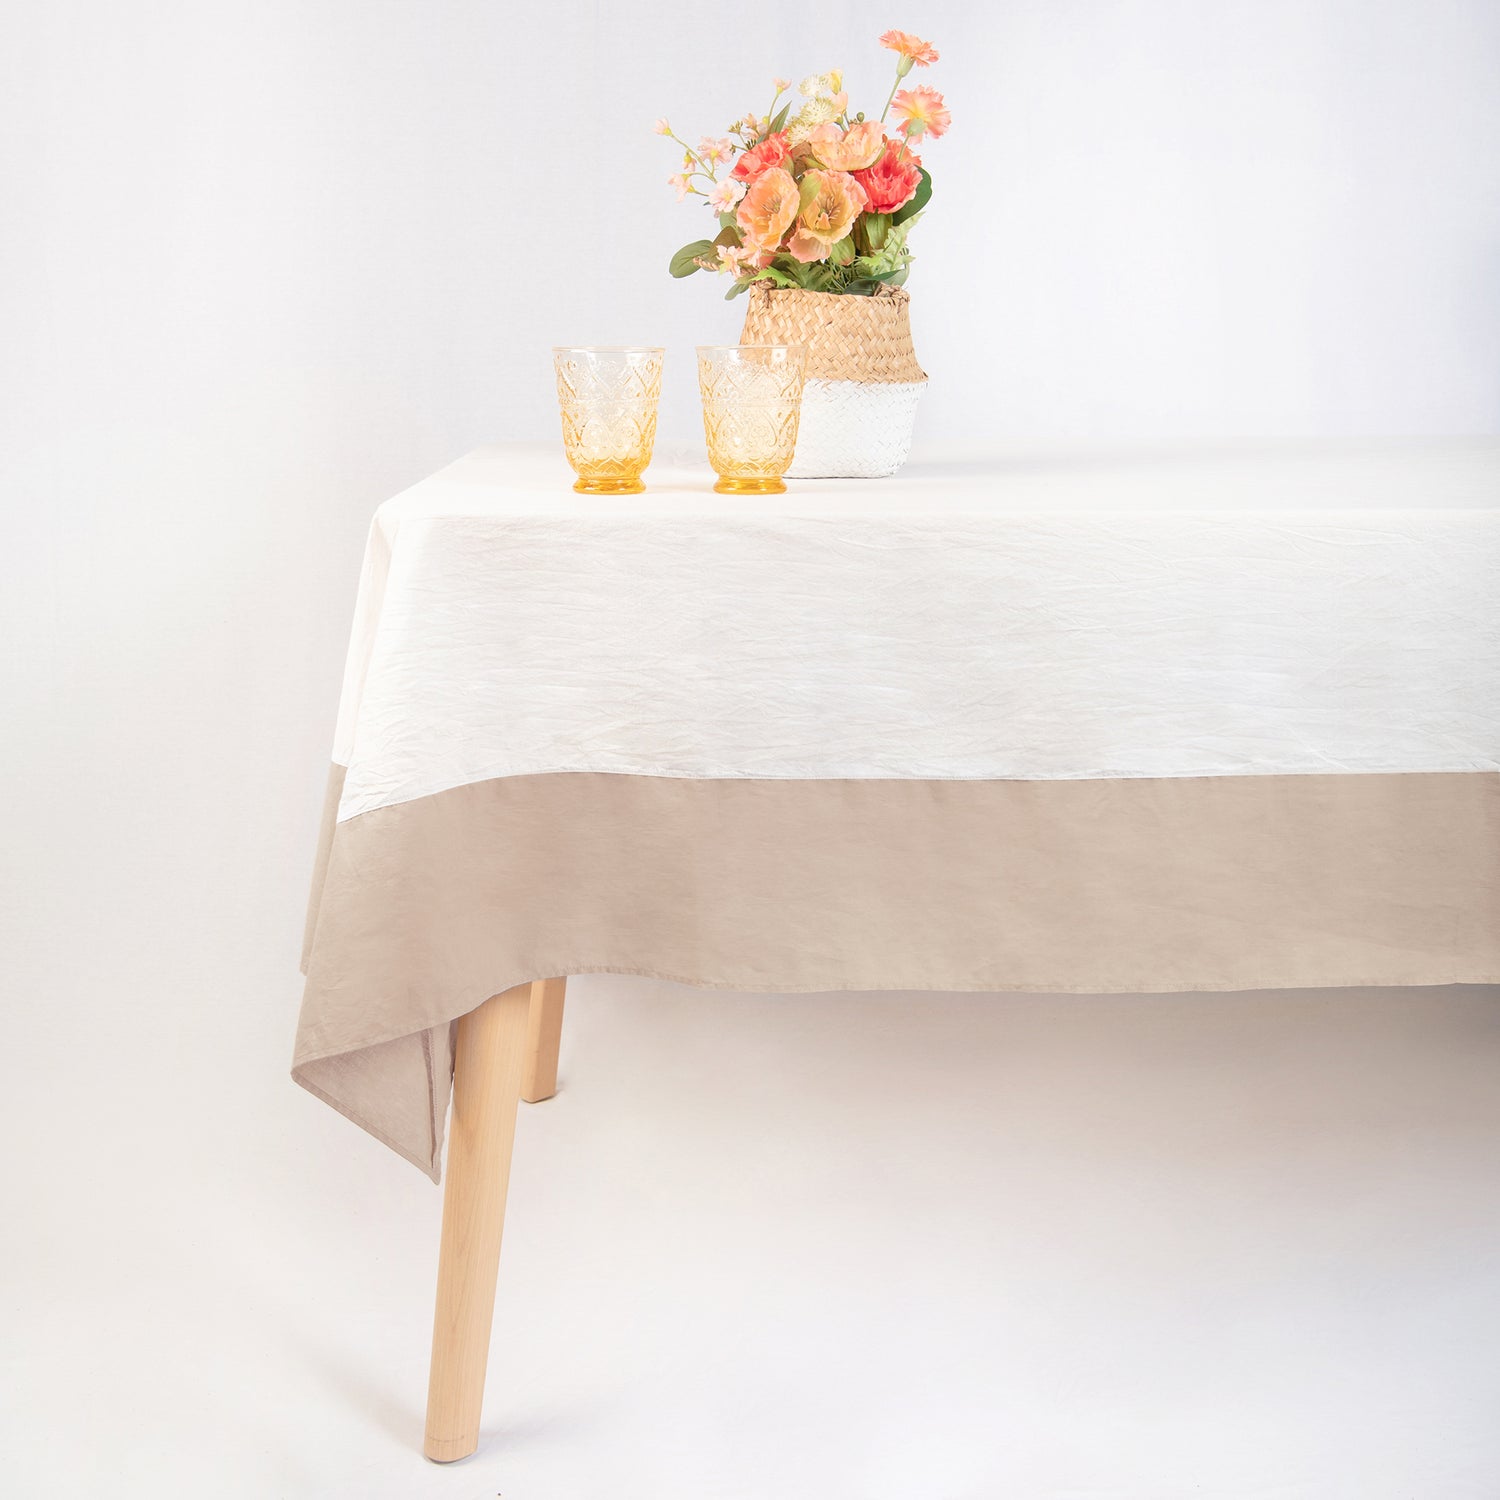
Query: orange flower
x: 911, y: 47
x: 831, y: 202
x: 768, y: 208
x: 806, y: 247
x: 771, y: 152
x: 922, y: 112
x: 849, y: 150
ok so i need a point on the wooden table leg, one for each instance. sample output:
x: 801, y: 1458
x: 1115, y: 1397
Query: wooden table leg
x: 487, y: 1067
x: 543, y: 1038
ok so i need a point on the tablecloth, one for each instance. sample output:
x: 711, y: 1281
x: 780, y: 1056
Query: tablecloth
x: 1193, y: 720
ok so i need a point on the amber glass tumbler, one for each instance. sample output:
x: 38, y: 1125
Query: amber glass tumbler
x: 608, y: 399
x: 752, y: 399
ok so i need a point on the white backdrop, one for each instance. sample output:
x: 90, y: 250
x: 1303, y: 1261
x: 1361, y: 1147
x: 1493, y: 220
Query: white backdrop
x: 264, y: 264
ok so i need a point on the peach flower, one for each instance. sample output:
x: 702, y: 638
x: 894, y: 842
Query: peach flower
x: 682, y: 183
x: 806, y: 247
x: 771, y: 152
x: 737, y: 259
x: 711, y: 150
x: 913, y: 48
x: 922, y: 112
x: 725, y: 195
x: 767, y: 210
x: 662, y: 128
x: 849, y: 150
x: 831, y: 202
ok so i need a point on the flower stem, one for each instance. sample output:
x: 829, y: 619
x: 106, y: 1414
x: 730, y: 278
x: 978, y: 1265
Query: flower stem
x: 705, y: 167
x: 896, y: 85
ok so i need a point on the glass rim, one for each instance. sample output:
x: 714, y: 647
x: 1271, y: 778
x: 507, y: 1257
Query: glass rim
x: 609, y: 349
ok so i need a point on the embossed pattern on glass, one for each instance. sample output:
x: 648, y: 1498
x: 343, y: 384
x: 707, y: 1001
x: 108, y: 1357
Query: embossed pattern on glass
x: 752, y: 399
x: 608, y: 399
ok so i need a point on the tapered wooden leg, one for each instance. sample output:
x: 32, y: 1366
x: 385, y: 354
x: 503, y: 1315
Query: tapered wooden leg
x: 543, y: 1038
x: 487, y: 1066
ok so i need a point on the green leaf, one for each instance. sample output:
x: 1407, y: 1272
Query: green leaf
x: 728, y: 235
x: 919, y: 199
x: 728, y: 221
x: 779, y: 118
x: 777, y: 278
x: 686, y: 260
x: 891, y: 257
x: 876, y: 227
x: 819, y: 276
x: 735, y: 290
x: 864, y: 269
x: 684, y: 263
x: 842, y: 253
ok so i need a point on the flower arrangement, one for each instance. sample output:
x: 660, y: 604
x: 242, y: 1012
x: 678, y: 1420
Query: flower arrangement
x: 818, y: 199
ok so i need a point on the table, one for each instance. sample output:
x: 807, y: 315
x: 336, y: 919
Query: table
x: 1042, y: 720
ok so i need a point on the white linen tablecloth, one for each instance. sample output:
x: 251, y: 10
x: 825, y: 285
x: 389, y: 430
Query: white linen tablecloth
x: 1275, y: 669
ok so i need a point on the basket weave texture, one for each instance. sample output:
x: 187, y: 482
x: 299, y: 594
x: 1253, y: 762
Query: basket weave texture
x: 867, y: 339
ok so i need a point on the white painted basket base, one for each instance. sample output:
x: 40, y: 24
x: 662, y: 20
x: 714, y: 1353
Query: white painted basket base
x: 851, y: 429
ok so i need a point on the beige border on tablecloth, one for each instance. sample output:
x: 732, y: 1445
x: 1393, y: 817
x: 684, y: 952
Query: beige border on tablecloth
x: 423, y: 910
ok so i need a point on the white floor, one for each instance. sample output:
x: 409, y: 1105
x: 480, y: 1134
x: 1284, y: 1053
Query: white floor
x: 960, y: 1247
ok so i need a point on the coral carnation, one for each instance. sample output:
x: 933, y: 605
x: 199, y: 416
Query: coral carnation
x: 910, y: 46
x: 922, y: 112
x: 771, y: 152
x: 892, y: 182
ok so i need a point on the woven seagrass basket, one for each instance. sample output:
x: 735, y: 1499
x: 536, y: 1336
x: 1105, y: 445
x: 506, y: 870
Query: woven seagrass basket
x: 863, y: 380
